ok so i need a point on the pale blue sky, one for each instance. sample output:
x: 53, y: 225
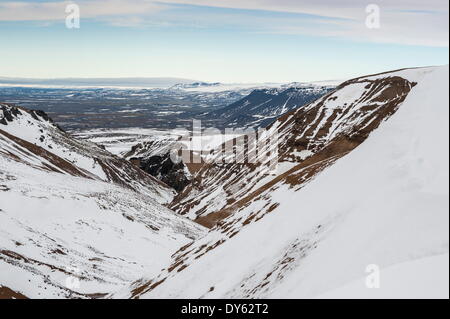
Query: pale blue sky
x: 261, y: 41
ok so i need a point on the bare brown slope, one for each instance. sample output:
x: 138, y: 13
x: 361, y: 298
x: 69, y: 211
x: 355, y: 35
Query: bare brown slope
x: 6, y: 293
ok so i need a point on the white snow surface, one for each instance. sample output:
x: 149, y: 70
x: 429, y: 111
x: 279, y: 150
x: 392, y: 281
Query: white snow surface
x: 224, y: 87
x: 66, y: 222
x: 61, y: 227
x: 83, y: 154
x: 402, y: 281
x: 386, y: 203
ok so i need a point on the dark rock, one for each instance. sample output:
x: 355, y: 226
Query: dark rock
x: 163, y: 168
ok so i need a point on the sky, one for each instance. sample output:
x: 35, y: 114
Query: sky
x: 222, y: 40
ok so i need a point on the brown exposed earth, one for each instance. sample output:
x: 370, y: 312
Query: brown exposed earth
x: 6, y: 293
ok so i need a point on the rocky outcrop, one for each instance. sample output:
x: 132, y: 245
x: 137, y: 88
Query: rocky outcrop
x: 8, y: 113
x: 162, y: 167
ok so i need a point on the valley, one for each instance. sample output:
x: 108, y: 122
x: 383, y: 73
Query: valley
x: 97, y: 208
x: 168, y: 108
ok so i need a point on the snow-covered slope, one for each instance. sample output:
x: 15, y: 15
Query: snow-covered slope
x: 414, y: 279
x: 122, y: 142
x: 55, y: 228
x: 317, y: 227
x: 76, y: 221
x: 38, y: 131
x: 310, y: 138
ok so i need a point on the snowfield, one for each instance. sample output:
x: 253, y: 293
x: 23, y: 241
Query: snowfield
x: 415, y: 279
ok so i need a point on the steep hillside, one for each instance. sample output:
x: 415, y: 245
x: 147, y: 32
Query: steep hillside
x: 36, y: 132
x: 301, y: 233
x: 309, y: 139
x: 258, y: 109
x: 76, y: 221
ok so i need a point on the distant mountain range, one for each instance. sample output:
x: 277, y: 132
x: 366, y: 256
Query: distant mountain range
x: 145, y: 82
x: 195, y: 85
x: 262, y: 106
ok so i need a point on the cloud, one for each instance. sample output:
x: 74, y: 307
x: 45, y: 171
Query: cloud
x: 407, y: 22
x: 412, y: 22
x: 47, y: 11
x: 345, y: 9
x: 406, y: 27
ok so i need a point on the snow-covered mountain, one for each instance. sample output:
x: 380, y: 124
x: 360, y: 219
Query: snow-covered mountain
x: 76, y: 221
x: 36, y: 132
x: 328, y: 128
x: 361, y: 184
x: 363, y: 181
x: 258, y: 109
x: 263, y: 106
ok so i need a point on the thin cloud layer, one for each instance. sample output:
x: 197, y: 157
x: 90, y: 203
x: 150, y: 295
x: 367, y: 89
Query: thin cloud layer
x: 48, y: 11
x: 345, y: 9
x: 411, y: 22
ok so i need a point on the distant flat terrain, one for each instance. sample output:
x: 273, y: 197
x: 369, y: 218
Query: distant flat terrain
x: 92, y: 108
x: 216, y: 105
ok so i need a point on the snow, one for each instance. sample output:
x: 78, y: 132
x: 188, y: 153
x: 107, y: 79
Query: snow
x: 120, y: 141
x: 27, y: 128
x: 110, y: 235
x: 425, y: 278
x: 303, y: 154
x: 386, y: 203
x: 91, y: 159
x: 411, y: 74
x: 224, y: 87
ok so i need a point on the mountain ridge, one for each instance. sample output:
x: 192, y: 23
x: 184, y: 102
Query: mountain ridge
x: 290, y: 242
x: 76, y: 221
